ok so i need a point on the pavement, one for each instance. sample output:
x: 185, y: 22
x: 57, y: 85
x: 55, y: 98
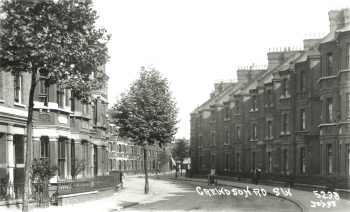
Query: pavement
x: 133, y: 193
x: 306, y: 200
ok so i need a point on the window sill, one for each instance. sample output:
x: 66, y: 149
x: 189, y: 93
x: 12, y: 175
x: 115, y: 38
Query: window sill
x: 326, y: 77
x: 327, y: 124
x: 285, y: 97
x: 2, y: 101
x: 20, y: 105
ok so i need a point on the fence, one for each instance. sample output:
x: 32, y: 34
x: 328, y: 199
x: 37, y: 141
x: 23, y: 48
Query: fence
x: 82, y: 185
x: 43, y: 194
x: 13, y: 192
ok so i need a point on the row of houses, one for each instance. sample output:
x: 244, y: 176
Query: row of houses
x: 64, y: 130
x: 126, y: 156
x: 291, y: 117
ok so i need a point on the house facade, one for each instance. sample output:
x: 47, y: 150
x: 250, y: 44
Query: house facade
x: 64, y: 130
x: 289, y: 118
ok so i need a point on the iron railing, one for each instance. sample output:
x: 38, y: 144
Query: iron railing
x: 11, y: 191
x: 42, y: 194
x: 82, y: 185
x: 330, y: 181
x: 39, y: 193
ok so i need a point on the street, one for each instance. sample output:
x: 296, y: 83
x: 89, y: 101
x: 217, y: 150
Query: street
x: 171, y: 195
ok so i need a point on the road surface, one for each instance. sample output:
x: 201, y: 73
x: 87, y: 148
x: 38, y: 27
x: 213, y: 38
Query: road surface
x: 176, y: 195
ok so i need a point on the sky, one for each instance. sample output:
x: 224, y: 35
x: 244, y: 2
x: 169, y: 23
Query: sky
x: 195, y: 43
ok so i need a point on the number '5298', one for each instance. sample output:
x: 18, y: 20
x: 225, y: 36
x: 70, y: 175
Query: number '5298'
x: 328, y: 195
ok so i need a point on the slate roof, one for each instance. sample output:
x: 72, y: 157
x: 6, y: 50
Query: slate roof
x: 221, y: 97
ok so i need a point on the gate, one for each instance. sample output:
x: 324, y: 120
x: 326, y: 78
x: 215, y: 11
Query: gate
x: 40, y: 194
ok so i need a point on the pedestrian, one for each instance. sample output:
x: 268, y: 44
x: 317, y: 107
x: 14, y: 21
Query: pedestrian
x: 257, y: 175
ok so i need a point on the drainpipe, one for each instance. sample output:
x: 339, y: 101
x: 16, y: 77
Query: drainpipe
x: 308, y: 157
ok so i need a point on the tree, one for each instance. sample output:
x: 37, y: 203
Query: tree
x: 77, y: 167
x: 163, y: 158
x: 147, y: 113
x: 180, y: 151
x: 56, y: 39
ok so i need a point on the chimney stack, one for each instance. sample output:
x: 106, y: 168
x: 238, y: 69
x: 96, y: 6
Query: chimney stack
x: 338, y: 18
x: 308, y: 43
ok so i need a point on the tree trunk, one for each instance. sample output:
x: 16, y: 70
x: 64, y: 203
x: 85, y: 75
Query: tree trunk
x: 157, y: 167
x: 146, y: 174
x: 181, y: 167
x: 28, y: 160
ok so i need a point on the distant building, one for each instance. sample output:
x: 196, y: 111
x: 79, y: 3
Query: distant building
x: 124, y: 155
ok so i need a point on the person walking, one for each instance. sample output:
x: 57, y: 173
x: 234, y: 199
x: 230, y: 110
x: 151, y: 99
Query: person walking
x: 257, y: 175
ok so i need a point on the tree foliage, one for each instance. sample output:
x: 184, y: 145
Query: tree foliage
x: 180, y: 150
x: 57, y: 37
x: 42, y: 170
x: 147, y: 111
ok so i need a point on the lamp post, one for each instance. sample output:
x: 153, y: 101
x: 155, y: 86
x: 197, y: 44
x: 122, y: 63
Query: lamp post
x: 175, y: 169
x: 145, y: 144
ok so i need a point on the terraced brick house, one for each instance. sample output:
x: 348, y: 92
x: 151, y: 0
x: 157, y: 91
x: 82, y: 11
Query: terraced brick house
x: 289, y: 119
